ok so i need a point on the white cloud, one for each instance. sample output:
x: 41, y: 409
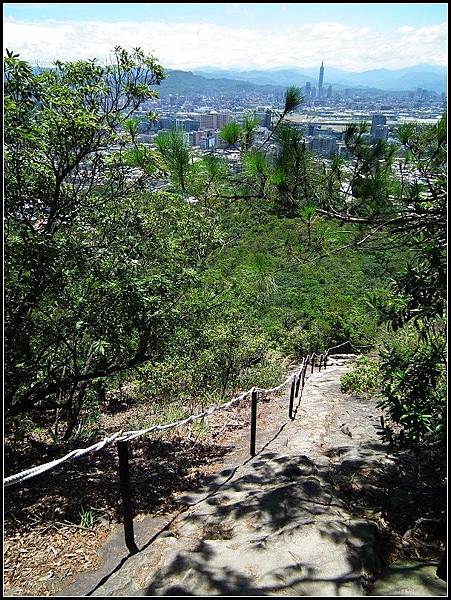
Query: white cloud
x: 189, y: 45
x: 238, y: 9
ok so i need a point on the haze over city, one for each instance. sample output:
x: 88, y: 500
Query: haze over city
x: 355, y: 37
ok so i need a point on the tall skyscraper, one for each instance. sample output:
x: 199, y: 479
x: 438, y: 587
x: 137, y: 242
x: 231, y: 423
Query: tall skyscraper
x: 320, y: 80
x: 329, y: 91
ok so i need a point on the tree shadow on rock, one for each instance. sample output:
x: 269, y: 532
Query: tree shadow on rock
x: 278, y: 516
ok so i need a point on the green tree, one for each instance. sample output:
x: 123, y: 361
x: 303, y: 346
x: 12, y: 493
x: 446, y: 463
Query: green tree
x: 384, y: 197
x: 95, y: 266
x: 393, y: 196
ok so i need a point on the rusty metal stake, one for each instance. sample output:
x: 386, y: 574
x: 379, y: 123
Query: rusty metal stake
x: 304, y: 371
x: 298, y: 383
x: 441, y: 569
x: 124, y: 479
x: 253, y: 421
x: 292, y: 392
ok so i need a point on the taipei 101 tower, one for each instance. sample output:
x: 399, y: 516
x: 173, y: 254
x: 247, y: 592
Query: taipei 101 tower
x: 320, y: 80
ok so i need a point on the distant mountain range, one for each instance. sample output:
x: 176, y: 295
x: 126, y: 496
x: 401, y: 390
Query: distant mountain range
x: 188, y: 83
x: 430, y: 77
x: 212, y: 81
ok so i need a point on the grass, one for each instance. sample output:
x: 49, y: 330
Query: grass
x: 87, y: 518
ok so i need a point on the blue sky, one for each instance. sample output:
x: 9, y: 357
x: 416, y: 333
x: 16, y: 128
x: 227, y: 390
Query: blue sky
x: 378, y: 14
x: 236, y: 35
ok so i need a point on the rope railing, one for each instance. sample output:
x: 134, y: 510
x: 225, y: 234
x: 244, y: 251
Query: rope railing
x: 33, y: 471
x: 121, y: 438
x: 344, y: 344
x: 127, y: 436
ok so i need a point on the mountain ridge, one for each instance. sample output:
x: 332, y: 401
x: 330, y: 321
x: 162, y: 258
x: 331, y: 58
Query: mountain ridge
x: 188, y: 82
x: 431, y: 77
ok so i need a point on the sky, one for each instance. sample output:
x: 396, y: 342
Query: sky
x: 355, y: 37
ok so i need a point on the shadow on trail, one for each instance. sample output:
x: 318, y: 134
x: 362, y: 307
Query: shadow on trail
x: 210, y: 486
x: 276, y: 503
x: 273, y: 504
x: 229, y: 582
x: 158, y: 468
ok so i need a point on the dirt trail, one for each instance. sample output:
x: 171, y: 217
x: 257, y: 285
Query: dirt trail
x: 270, y: 525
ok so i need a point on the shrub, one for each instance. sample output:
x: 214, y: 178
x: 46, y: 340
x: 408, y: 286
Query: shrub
x: 267, y: 373
x: 414, y: 390
x: 363, y: 377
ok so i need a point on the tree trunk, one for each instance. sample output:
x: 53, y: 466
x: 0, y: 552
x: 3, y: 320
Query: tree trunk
x: 76, y: 402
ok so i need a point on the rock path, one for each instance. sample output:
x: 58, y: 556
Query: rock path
x: 270, y: 525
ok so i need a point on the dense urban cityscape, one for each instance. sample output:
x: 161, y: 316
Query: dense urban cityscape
x: 323, y: 117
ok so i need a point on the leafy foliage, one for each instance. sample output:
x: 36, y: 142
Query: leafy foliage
x: 95, y: 267
x: 414, y: 390
x: 176, y: 156
x: 364, y: 376
x: 189, y: 293
x: 293, y: 99
x: 230, y: 133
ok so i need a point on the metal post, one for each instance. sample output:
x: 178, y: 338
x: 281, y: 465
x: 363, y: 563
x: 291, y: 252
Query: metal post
x: 253, y: 421
x: 325, y: 360
x: 124, y: 480
x: 298, y: 383
x: 304, y: 371
x: 290, y: 409
x: 441, y: 569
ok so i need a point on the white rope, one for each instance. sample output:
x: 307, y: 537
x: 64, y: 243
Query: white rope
x: 12, y: 479
x: 130, y: 435
x: 126, y: 436
x: 339, y: 346
x: 275, y: 389
x: 119, y: 436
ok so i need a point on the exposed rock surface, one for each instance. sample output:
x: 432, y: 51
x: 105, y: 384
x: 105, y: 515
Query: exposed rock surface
x: 409, y: 579
x: 270, y: 525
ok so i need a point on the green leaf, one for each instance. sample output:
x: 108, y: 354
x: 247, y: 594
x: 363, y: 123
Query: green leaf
x: 293, y: 99
x: 231, y: 133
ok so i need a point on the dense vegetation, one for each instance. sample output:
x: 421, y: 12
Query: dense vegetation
x: 412, y: 208
x: 187, y: 294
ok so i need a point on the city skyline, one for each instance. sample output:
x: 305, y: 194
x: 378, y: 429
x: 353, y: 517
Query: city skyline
x: 185, y: 36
